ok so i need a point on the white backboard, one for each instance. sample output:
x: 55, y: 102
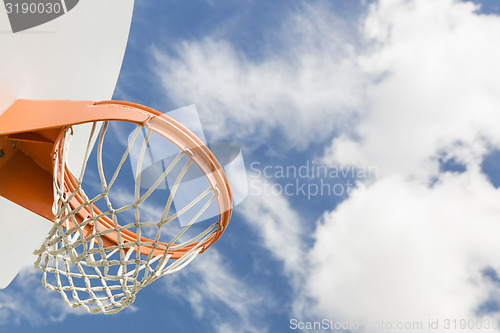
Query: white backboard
x: 76, y: 56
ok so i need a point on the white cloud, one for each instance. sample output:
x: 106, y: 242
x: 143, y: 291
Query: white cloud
x: 212, y: 290
x: 282, y: 231
x: 280, y: 227
x: 404, y: 251
x: 304, y: 86
x: 409, y: 248
x: 437, y: 65
x: 26, y: 301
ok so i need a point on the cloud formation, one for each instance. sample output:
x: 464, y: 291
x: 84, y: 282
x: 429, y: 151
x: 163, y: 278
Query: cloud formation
x: 26, y: 301
x: 415, y: 245
x: 304, y: 87
x: 402, y: 251
x: 436, y: 91
x: 212, y: 290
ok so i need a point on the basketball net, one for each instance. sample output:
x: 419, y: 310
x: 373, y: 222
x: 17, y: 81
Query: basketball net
x: 100, y: 264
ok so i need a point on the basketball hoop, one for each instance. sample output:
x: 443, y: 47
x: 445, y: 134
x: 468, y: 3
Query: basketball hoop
x: 93, y: 256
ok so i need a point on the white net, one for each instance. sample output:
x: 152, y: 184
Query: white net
x: 104, y: 247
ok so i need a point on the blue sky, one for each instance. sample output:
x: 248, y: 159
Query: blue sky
x: 406, y: 87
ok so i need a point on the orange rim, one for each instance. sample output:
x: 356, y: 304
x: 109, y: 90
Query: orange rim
x: 186, y: 141
x: 22, y: 122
